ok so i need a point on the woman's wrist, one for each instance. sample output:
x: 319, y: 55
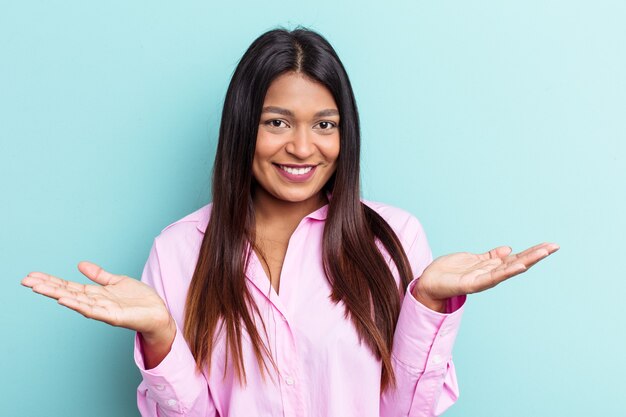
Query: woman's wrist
x: 161, y: 334
x: 432, y: 303
x: 156, y: 345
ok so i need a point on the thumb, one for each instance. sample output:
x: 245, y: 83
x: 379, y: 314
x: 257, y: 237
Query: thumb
x: 97, y: 274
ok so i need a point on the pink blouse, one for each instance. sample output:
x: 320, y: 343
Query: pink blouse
x: 323, y: 370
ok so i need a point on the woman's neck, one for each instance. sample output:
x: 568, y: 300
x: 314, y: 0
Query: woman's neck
x: 271, y: 211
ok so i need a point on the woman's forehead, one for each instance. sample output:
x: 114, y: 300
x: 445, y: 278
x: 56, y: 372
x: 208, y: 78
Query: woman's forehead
x: 293, y: 93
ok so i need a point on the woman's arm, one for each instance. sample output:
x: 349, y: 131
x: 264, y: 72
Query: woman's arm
x: 426, y: 383
x: 421, y: 355
x: 171, y: 384
x: 424, y: 337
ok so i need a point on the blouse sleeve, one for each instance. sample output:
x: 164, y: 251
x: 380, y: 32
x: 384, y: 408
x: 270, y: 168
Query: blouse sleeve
x: 421, y: 355
x: 173, y: 387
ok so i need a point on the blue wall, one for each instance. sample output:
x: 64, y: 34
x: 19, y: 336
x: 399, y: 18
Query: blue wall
x: 493, y: 123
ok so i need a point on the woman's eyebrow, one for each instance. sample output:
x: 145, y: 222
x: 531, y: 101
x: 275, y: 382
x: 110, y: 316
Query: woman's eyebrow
x: 286, y: 112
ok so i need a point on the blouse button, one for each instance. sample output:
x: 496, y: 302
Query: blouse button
x: 171, y: 402
x: 289, y: 380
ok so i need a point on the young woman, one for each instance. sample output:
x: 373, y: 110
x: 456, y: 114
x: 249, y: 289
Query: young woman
x: 289, y: 295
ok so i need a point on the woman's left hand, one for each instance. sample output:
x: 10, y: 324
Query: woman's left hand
x: 466, y: 273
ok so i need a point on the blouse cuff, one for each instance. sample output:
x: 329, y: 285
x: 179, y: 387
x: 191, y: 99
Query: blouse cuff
x: 424, y: 338
x: 174, y: 382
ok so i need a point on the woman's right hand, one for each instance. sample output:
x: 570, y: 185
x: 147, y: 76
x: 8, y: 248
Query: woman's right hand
x: 118, y: 300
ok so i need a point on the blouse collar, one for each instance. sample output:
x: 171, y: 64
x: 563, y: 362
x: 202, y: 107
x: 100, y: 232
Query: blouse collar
x: 319, y: 214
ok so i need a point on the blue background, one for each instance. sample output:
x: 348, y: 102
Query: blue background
x: 493, y: 122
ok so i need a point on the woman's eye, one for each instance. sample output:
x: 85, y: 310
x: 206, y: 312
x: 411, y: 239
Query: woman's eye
x: 274, y: 123
x: 327, y: 125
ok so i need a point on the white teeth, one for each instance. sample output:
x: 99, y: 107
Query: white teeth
x: 296, y: 171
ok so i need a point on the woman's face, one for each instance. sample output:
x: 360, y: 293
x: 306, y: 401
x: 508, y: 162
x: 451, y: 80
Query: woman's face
x: 298, y: 139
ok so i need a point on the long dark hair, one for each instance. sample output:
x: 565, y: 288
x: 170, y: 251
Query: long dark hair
x: 353, y: 264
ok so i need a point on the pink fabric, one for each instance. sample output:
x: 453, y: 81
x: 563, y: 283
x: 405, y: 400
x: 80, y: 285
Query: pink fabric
x: 324, y: 371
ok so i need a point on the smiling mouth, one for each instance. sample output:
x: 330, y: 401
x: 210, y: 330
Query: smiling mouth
x: 296, y: 170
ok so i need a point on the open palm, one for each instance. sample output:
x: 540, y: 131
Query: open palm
x: 467, y: 273
x: 117, y: 300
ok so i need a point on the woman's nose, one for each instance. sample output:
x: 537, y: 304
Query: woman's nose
x: 301, y: 144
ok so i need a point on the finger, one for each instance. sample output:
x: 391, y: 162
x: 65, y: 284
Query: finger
x: 43, y: 277
x: 95, y: 273
x: 29, y: 281
x: 510, y: 268
x: 34, y: 278
x: 483, y: 280
x: 56, y: 292
x: 513, y: 267
x: 550, y: 247
x: 70, y: 285
x: 531, y: 258
x: 498, y: 252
